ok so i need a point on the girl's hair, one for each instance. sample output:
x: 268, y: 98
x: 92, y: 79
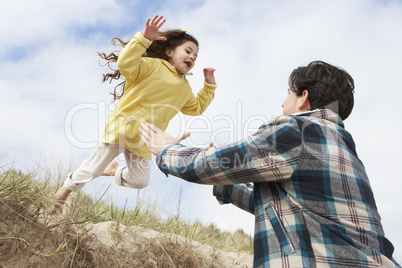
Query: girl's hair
x: 328, y: 87
x: 174, y: 38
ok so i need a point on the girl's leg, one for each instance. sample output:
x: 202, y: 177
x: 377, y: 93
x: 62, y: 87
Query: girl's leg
x: 137, y: 173
x: 93, y: 167
x: 111, y: 169
x: 90, y: 169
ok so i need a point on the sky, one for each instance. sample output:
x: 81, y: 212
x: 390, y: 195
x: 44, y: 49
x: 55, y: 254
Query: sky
x: 54, y: 104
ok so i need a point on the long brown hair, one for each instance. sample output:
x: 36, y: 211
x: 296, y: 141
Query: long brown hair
x: 157, y: 49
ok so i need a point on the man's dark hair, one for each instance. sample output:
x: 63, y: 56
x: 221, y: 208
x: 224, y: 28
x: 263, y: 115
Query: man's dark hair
x: 328, y: 87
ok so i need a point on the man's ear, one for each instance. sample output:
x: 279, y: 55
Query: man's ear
x: 304, y: 103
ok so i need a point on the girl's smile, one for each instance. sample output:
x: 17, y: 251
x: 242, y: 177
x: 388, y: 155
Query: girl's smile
x: 183, y: 57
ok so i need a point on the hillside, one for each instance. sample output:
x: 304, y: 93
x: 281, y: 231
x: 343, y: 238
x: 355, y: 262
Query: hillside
x: 96, y: 234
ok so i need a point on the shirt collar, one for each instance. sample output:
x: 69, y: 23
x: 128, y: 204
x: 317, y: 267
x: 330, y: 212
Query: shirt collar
x: 173, y: 69
x: 325, y: 114
x: 318, y: 114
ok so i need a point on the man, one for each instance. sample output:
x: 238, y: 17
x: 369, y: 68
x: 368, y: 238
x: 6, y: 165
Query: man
x: 311, y: 197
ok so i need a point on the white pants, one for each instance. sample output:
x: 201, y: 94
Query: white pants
x: 135, y: 175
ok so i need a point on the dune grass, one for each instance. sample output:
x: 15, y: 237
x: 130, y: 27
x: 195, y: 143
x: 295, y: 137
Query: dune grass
x: 27, y: 196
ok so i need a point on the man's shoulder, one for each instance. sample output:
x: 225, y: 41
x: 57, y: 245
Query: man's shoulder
x: 318, y: 123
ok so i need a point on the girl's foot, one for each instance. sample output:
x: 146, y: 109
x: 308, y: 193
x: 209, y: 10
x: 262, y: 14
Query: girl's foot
x: 111, y: 169
x: 60, y: 197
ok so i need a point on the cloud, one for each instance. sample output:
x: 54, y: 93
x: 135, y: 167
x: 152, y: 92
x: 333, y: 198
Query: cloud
x: 49, y: 67
x: 37, y: 24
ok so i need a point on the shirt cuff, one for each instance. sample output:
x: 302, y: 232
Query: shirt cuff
x: 140, y: 38
x: 209, y: 86
x: 159, y: 159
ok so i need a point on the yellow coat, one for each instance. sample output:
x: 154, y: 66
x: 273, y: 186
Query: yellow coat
x: 154, y: 93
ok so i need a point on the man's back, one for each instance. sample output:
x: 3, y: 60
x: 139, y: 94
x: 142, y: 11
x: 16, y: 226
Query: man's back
x: 324, y: 213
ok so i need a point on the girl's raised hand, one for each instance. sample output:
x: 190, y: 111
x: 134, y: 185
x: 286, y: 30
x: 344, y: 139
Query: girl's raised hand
x: 209, y: 75
x: 152, y: 27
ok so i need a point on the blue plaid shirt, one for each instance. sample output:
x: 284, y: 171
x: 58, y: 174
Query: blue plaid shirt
x: 311, y: 197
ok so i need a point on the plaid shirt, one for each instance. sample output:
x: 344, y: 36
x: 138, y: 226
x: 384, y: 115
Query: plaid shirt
x: 311, y: 197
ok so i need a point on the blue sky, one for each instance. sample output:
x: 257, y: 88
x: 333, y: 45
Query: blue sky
x: 54, y: 103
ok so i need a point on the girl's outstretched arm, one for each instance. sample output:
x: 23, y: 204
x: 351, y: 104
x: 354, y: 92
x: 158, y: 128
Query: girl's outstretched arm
x: 152, y: 27
x: 130, y: 56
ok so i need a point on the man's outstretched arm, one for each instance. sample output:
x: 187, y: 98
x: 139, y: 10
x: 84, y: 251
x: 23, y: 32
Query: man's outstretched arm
x: 254, y: 159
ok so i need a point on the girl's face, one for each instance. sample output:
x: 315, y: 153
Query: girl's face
x: 183, y: 57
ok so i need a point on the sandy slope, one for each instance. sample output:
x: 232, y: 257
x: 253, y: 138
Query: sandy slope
x: 40, y: 239
x: 110, y: 236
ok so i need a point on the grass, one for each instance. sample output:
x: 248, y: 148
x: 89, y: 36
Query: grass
x: 37, y: 237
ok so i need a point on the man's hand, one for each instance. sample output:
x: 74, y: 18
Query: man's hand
x: 152, y: 28
x: 209, y: 75
x: 156, y: 139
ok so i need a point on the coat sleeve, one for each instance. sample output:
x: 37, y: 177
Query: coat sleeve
x: 240, y: 195
x: 130, y: 60
x: 270, y: 155
x: 197, y: 105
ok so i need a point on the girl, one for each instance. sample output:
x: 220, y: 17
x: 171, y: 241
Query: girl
x: 154, y: 65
